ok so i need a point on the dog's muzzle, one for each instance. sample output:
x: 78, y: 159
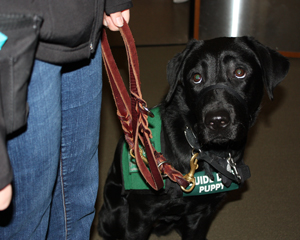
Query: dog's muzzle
x: 219, y: 119
x: 226, y: 88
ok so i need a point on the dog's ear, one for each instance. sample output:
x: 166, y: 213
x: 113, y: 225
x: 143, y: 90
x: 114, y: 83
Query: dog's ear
x: 175, y: 68
x: 274, y: 66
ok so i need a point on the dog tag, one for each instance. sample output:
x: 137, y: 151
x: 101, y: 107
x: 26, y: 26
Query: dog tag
x: 228, y: 168
x: 231, y: 167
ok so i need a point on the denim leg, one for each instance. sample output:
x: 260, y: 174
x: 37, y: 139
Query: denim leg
x: 55, y: 161
x: 34, y: 156
x: 75, y: 195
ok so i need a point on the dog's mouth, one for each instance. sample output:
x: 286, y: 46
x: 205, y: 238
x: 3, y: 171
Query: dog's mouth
x: 221, y: 127
x: 219, y: 140
x: 226, y: 138
x: 217, y: 143
x: 203, y: 139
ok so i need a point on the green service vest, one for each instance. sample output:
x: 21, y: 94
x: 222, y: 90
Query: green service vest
x: 133, y: 180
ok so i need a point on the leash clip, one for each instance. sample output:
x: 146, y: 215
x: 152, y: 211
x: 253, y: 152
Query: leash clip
x: 190, y: 176
x: 141, y: 151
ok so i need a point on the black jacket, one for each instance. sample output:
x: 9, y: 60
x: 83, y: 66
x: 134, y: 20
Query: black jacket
x: 55, y: 31
x: 70, y: 29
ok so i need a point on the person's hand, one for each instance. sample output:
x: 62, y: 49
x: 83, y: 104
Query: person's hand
x: 115, y: 20
x: 5, y: 197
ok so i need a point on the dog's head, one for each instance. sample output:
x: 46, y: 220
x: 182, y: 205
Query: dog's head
x: 221, y: 84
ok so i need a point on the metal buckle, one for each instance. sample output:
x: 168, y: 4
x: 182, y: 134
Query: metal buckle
x: 145, y: 160
x: 161, y: 163
x: 149, y: 113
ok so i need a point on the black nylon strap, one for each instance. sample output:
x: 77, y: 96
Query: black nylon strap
x: 191, y: 138
x: 213, y: 162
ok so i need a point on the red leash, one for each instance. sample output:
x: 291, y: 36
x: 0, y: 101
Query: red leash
x: 133, y: 113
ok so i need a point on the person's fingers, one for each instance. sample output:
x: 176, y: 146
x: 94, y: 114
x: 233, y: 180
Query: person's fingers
x: 115, y: 20
x: 126, y: 15
x: 5, y: 197
x: 105, y: 20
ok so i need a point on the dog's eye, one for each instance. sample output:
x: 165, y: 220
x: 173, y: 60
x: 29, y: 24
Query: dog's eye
x: 240, y: 73
x: 197, y: 78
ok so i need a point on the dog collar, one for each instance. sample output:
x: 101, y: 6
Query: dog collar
x: 229, y: 170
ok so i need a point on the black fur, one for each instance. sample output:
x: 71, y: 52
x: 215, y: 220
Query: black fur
x: 218, y: 119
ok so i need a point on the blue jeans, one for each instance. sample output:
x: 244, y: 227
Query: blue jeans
x: 55, y: 160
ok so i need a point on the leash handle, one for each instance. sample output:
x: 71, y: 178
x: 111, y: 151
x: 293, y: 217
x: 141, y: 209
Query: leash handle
x: 129, y: 109
x: 133, y: 113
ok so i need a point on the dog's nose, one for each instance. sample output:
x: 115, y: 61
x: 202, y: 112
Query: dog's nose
x: 217, y: 120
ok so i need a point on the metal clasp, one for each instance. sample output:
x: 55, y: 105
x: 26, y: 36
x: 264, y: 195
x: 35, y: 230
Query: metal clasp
x: 141, y: 154
x: 190, y: 176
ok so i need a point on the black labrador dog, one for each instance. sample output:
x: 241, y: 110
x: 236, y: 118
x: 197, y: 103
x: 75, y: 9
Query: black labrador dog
x: 216, y: 87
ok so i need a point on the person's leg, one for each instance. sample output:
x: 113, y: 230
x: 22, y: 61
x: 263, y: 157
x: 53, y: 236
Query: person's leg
x: 34, y: 156
x: 77, y: 185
